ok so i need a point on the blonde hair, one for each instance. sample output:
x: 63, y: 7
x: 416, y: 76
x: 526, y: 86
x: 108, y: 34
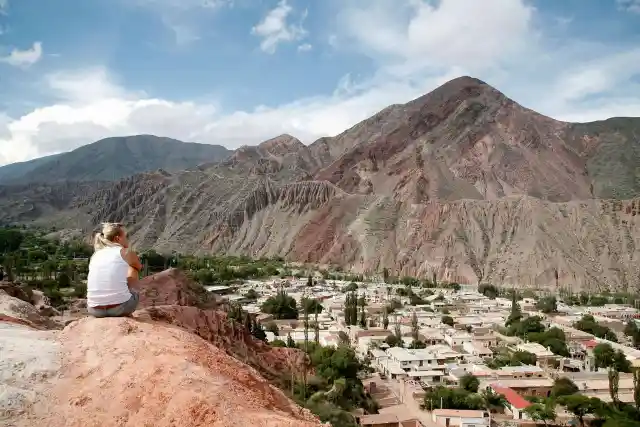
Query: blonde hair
x: 104, y: 238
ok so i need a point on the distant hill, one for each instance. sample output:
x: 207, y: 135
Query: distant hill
x: 114, y: 158
x: 17, y: 170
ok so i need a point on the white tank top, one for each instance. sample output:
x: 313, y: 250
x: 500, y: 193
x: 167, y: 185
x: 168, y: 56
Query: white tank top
x: 107, y: 279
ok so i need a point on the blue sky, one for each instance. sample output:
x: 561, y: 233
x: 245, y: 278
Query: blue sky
x: 237, y: 72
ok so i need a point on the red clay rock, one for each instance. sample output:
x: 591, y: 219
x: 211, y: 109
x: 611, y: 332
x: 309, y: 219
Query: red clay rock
x: 126, y: 372
x: 273, y: 363
x: 169, y: 297
x: 169, y: 287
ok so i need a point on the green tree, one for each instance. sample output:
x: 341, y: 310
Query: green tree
x: 631, y: 330
x: 278, y: 343
x: 351, y: 309
x: 385, y: 275
x: 351, y: 287
x: 516, y: 312
x: 385, y: 319
x: 563, y: 387
x: 492, y: 401
x: 450, y: 398
x: 589, y: 325
x: 415, y: 327
x: 281, y: 306
x: 64, y: 281
x: 290, y: 342
x: 10, y: 240
x: 312, y: 305
x: 396, y: 329
x: 614, y: 381
x: 603, y: 355
x: 620, y: 362
x: 541, y: 412
x: 310, y: 281
x: 447, y: 320
x: 490, y: 291
x: 580, y: 405
x: 523, y: 358
x: 470, y: 382
x: 273, y: 328
x: 636, y: 388
x: 252, y: 294
x: 393, y: 341
x: 258, y: 332
x: 547, y: 304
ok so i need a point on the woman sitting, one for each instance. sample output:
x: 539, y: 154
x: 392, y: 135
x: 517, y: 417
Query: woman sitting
x: 113, y: 268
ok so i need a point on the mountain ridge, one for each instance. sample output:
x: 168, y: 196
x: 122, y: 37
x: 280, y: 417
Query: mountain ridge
x: 462, y: 182
x: 113, y: 158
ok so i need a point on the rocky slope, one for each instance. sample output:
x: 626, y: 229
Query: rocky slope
x: 111, y: 159
x: 463, y: 182
x: 168, y: 365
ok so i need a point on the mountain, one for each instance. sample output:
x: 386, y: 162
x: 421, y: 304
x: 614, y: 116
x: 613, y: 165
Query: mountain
x: 19, y: 170
x: 111, y: 159
x: 462, y: 182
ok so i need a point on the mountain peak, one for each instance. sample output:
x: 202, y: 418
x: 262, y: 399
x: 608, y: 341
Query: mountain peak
x: 282, y: 145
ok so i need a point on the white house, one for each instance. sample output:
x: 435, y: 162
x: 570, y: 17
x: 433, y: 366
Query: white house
x: 460, y: 418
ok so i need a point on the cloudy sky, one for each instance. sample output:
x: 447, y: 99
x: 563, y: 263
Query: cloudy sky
x: 236, y: 72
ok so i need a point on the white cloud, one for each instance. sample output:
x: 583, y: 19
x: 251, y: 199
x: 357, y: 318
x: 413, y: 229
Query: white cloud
x: 181, y: 4
x: 415, y: 33
x: 305, y: 47
x: 629, y: 5
x: 24, y: 58
x: 185, y: 19
x: 4, y: 6
x: 275, y: 28
x: 571, y: 80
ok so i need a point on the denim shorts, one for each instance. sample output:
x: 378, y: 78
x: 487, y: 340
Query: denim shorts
x: 121, y: 310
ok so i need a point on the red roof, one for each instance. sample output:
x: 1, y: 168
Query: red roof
x: 512, y: 396
x: 591, y: 343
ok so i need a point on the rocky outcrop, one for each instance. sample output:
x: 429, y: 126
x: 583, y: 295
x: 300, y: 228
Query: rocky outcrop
x: 126, y: 372
x: 167, y: 365
x: 25, y: 313
x: 172, y: 287
x: 17, y: 290
x: 275, y: 364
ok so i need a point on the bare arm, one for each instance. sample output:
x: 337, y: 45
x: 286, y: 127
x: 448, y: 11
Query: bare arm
x: 132, y: 259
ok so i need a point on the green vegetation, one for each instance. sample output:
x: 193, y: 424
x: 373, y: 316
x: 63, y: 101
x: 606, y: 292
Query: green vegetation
x: 470, y: 383
x: 517, y: 358
x: 532, y: 329
x: 631, y: 330
x: 547, y: 304
x: 465, y: 396
x: 490, y: 291
x: 281, y: 306
x: 336, y: 389
x: 447, y: 320
x: 563, y: 387
x: 45, y: 264
x: 588, y: 324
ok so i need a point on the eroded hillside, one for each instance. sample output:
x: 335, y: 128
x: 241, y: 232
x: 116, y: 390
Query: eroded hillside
x: 463, y: 182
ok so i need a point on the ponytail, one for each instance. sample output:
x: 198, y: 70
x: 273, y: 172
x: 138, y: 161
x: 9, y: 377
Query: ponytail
x: 104, y: 238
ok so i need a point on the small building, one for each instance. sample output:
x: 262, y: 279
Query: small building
x: 461, y: 418
x: 516, y: 404
x: 389, y: 420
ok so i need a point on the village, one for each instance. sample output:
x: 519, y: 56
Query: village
x: 416, y: 340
